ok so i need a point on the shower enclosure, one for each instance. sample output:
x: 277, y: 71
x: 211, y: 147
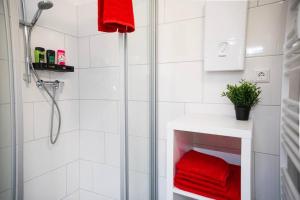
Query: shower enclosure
x: 107, y: 145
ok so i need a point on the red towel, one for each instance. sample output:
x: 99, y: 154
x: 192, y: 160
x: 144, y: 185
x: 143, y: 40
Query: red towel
x: 203, y: 182
x: 115, y: 15
x: 233, y: 193
x: 203, y: 165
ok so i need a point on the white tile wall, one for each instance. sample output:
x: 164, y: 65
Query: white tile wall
x: 138, y: 151
x: 49, y: 186
x: 138, y: 82
x: 74, y: 196
x: 181, y: 41
x: 180, y: 82
x: 271, y: 92
x: 40, y: 156
x: 84, y: 52
x: 28, y: 120
x: 72, y: 178
x: 107, y: 181
x: 56, y: 18
x: 86, y: 175
x: 3, y: 38
x: 192, y: 9
x: 112, y: 149
x: 86, y: 195
x: 267, y: 177
x: 138, y: 125
x: 107, y: 42
x: 266, y: 28
x: 92, y: 146
x: 138, y: 50
x: 87, y: 19
x: 100, y: 83
x: 6, y: 168
x: 138, y: 186
x: 99, y: 115
x: 71, y: 47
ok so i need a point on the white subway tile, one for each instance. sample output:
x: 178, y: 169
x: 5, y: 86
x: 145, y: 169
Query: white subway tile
x: 139, y: 154
x: 30, y: 91
x: 181, y: 41
x: 252, y: 3
x: 50, y: 186
x: 84, y: 52
x: 73, y: 196
x: 28, y: 121
x: 266, y: 29
x: 138, y: 118
x: 42, y: 117
x: 87, y: 19
x: 99, y: 115
x: 4, y: 82
x: 86, y: 195
x: 72, y: 177
x: 216, y: 82
x: 104, y: 50
x: 138, y: 46
x: 71, y: 47
x: 179, y: 10
x: 271, y: 92
x: 86, y: 175
x: 112, y: 149
x: 56, y: 18
x: 138, y: 82
x: 55, y: 40
x: 100, y: 83
x: 138, y: 186
x: 107, y: 181
x: 141, y: 13
x: 92, y: 146
x: 267, y: 177
x: 40, y: 156
x: 6, y: 168
x: 5, y: 124
x: 69, y: 89
x: 180, y: 82
x: 166, y: 113
x: 3, y: 39
x: 266, y: 129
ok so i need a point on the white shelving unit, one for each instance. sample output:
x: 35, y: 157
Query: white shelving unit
x: 221, y: 136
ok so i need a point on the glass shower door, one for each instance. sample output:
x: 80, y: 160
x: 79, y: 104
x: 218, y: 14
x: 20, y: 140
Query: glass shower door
x: 6, y: 117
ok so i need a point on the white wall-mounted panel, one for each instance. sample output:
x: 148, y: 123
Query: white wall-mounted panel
x: 225, y: 31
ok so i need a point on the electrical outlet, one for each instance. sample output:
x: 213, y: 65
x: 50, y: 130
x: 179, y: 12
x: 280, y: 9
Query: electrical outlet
x: 262, y: 76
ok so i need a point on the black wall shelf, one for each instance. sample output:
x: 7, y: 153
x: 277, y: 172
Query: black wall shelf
x: 53, y: 67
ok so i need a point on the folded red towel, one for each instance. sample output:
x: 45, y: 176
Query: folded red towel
x: 115, y: 15
x: 203, y: 165
x: 195, y: 178
x: 233, y: 193
x: 203, y: 182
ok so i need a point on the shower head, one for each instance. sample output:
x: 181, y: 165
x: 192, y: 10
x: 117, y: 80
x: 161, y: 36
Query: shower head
x: 45, y: 5
x: 42, y: 5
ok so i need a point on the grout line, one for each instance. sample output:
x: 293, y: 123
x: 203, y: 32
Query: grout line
x: 181, y: 20
x: 98, y: 194
x: 49, y: 171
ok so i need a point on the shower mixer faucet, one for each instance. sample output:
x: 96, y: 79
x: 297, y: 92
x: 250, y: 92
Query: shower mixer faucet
x: 54, y: 84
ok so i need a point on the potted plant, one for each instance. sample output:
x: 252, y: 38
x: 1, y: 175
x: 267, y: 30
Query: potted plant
x: 244, y: 96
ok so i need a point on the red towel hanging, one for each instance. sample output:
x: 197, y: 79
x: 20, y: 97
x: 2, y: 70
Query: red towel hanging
x: 115, y: 15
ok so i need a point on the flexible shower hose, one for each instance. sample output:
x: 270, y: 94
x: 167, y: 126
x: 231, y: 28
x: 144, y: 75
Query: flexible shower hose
x: 54, y: 104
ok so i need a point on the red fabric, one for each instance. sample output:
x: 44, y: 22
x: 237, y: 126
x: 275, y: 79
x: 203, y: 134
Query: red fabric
x: 233, y: 193
x: 115, y: 15
x: 205, y: 166
x: 202, y: 182
x: 195, y: 178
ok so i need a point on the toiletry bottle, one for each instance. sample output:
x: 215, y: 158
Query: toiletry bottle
x: 50, y: 54
x: 39, y: 55
x: 61, y: 58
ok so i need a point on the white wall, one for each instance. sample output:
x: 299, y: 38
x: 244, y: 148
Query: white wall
x: 52, y: 171
x: 185, y: 88
x: 89, y: 101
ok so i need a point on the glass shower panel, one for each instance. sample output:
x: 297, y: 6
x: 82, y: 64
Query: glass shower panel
x: 6, y: 156
x: 139, y: 104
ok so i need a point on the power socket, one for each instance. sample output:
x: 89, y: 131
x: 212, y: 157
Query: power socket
x: 262, y: 76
